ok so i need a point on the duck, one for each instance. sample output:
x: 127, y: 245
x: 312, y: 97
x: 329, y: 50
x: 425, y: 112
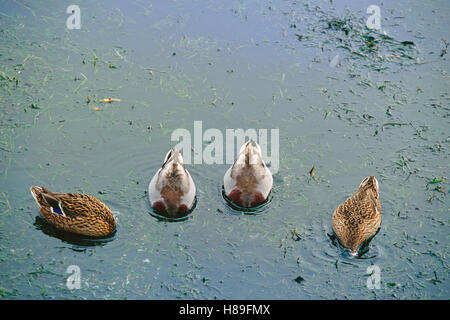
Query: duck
x: 81, y: 214
x: 359, y: 217
x: 172, y: 190
x: 248, y: 182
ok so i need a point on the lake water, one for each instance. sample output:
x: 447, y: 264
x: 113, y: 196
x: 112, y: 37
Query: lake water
x: 348, y: 101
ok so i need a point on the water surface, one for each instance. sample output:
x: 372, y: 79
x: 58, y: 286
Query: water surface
x: 348, y: 101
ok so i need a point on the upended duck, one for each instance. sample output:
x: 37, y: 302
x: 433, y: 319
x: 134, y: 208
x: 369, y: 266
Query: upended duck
x: 359, y: 217
x: 248, y: 181
x: 172, y: 190
x: 73, y: 212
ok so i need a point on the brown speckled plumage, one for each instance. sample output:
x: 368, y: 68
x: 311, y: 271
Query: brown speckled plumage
x: 359, y: 217
x: 84, y: 214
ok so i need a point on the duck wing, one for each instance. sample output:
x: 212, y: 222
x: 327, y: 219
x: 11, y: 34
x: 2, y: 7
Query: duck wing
x: 67, y: 205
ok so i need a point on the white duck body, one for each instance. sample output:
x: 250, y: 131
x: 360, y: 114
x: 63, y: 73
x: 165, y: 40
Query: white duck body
x: 248, y: 181
x: 172, y: 191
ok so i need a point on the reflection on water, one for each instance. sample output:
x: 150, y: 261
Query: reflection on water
x: 363, y: 250
x: 235, y: 209
x: 178, y: 218
x: 78, y: 241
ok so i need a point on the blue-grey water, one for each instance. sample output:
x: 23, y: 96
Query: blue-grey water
x: 347, y: 100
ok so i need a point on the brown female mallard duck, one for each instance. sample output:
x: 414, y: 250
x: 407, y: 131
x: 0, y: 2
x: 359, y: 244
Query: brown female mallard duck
x: 359, y: 217
x: 73, y: 212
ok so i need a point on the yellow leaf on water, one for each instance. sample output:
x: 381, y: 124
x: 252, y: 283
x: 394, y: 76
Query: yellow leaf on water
x: 311, y: 172
x: 109, y: 100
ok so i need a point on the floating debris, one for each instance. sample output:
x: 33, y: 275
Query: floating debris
x: 392, y: 124
x: 435, y: 181
x: 391, y: 284
x: 312, y: 171
x: 299, y: 279
x: 295, y: 235
x: 109, y: 100
x: 349, y: 32
x: 444, y: 51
